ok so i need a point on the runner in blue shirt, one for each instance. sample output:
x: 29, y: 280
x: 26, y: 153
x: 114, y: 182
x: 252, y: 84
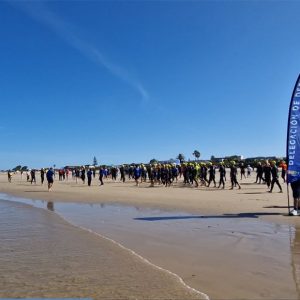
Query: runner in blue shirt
x: 49, y: 176
x: 137, y: 174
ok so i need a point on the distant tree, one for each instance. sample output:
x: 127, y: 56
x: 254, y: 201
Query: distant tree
x: 181, y: 157
x: 17, y: 168
x: 212, y: 158
x: 25, y: 168
x: 197, y: 154
x: 153, y: 161
x: 95, y: 163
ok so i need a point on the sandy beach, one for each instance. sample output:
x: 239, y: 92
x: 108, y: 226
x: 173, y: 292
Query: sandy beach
x: 221, y: 265
x: 252, y: 199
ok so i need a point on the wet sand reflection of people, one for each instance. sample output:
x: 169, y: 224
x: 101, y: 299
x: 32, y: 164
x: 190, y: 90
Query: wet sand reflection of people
x: 50, y: 205
x: 295, y: 257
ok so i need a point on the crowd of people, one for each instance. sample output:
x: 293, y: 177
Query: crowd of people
x: 192, y: 174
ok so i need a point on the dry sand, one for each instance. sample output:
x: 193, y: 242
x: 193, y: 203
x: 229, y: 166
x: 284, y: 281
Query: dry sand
x: 252, y: 201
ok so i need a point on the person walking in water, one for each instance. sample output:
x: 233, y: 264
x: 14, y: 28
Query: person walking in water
x: 49, y: 176
x: 233, y: 175
x: 274, y: 172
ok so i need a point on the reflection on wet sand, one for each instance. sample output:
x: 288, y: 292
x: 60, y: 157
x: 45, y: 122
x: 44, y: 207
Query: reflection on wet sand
x: 295, y: 250
x: 42, y: 256
x: 247, y: 257
x: 50, y: 205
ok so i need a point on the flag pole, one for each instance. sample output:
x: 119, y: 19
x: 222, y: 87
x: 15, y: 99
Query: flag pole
x: 288, y: 196
x: 294, y: 96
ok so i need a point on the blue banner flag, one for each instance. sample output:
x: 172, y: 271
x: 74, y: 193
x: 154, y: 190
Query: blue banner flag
x: 293, y: 136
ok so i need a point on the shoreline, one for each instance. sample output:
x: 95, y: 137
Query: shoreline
x: 26, y: 278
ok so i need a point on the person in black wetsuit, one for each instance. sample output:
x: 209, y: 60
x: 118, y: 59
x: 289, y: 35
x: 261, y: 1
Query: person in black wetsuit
x: 122, y: 172
x: 222, y: 172
x: 233, y: 174
x: 267, y: 173
x: 83, y: 175
x: 274, y: 172
x: 89, y: 176
x: 243, y: 171
x: 42, y: 176
x: 212, y: 174
x: 32, y: 173
x: 259, y: 173
x: 101, y: 174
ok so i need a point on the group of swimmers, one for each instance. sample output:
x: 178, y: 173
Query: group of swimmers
x: 193, y: 174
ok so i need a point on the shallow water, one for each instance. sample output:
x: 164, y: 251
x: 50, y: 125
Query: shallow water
x: 224, y: 256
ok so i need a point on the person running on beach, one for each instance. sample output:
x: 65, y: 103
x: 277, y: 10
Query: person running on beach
x: 212, y: 174
x: 101, y: 174
x: 243, y: 170
x: 222, y: 172
x: 32, y: 173
x: 122, y: 173
x: 283, y: 170
x: 267, y: 173
x: 77, y: 174
x: 49, y: 176
x: 233, y: 174
x: 259, y: 173
x: 274, y: 172
x: 137, y: 174
x: 83, y: 175
x: 28, y: 176
x: 9, y: 175
x: 89, y: 176
x: 249, y: 171
x: 42, y: 176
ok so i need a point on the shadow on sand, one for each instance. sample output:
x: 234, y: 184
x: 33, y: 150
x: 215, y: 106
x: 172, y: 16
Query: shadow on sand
x: 225, y: 216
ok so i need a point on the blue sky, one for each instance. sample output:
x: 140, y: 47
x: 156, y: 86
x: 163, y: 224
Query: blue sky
x: 131, y: 81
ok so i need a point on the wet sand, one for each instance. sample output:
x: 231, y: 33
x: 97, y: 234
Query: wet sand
x: 225, y: 256
x: 43, y: 256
